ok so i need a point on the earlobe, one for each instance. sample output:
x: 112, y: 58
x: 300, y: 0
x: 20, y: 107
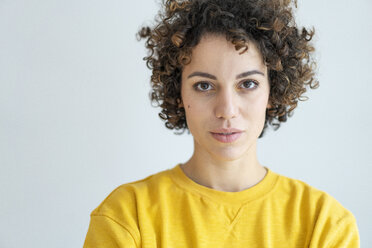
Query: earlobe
x: 269, y: 106
x: 180, y: 103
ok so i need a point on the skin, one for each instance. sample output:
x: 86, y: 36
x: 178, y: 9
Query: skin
x: 225, y: 102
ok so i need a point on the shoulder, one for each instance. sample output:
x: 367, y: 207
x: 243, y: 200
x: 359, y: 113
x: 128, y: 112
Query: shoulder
x: 329, y: 223
x: 321, y: 203
x: 127, y: 196
x: 125, y: 202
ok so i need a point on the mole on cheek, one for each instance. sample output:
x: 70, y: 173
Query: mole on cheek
x: 188, y: 106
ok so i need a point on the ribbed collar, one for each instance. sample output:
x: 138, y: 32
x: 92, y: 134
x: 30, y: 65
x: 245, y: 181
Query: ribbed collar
x: 257, y: 191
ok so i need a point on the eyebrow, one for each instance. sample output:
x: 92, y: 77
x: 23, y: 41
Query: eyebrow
x: 241, y: 75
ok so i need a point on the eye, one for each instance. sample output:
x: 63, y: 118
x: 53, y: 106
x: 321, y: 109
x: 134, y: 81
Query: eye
x: 202, y: 86
x: 249, y: 84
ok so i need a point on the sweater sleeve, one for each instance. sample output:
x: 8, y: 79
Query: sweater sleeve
x: 347, y: 235
x: 104, y: 231
x: 335, y: 226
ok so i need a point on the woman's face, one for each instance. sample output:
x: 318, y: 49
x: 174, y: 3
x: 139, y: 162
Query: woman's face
x: 224, y: 92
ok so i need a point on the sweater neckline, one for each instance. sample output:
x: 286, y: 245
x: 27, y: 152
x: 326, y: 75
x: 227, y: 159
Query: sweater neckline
x: 257, y: 191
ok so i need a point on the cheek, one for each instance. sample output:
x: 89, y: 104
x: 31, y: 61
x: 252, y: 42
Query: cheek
x: 256, y: 109
x: 195, y: 114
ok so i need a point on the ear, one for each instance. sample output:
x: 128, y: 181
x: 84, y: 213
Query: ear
x: 180, y: 103
x: 269, y: 106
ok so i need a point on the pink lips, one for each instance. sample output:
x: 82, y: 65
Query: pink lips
x: 226, y: 135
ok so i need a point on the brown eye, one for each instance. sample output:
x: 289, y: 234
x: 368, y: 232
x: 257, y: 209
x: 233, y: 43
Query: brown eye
x: 249, y: 84
x: 202, y: 86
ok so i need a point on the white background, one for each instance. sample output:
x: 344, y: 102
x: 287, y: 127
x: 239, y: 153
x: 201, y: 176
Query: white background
x: 76, y: 120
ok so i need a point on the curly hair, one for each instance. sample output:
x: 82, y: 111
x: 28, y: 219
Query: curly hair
x: 285, y: 49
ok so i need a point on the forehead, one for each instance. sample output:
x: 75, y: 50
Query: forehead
x: 216, y: 54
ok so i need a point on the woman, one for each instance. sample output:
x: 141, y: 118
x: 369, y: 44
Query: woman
x: 224, y: 70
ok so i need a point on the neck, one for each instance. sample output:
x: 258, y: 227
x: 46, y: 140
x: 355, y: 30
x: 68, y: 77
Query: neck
x: 230, y: 176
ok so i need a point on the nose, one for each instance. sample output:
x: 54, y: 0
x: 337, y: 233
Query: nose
x: 226, y: 105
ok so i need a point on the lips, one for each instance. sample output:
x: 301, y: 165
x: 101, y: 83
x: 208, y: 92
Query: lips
x: 227, y: 130
x: 226, y: 135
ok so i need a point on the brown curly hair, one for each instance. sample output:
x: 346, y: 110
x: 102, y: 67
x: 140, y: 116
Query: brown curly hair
x: 285, y: 49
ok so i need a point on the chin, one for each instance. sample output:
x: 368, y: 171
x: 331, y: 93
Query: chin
x: 228, y: 153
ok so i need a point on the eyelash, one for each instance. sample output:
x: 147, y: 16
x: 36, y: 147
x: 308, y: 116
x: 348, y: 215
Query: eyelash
x: 204, y: 82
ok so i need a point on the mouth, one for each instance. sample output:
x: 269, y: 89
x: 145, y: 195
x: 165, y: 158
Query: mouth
x: 226, y: 137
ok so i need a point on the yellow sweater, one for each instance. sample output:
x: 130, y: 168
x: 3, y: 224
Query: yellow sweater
x: 170, y: 210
